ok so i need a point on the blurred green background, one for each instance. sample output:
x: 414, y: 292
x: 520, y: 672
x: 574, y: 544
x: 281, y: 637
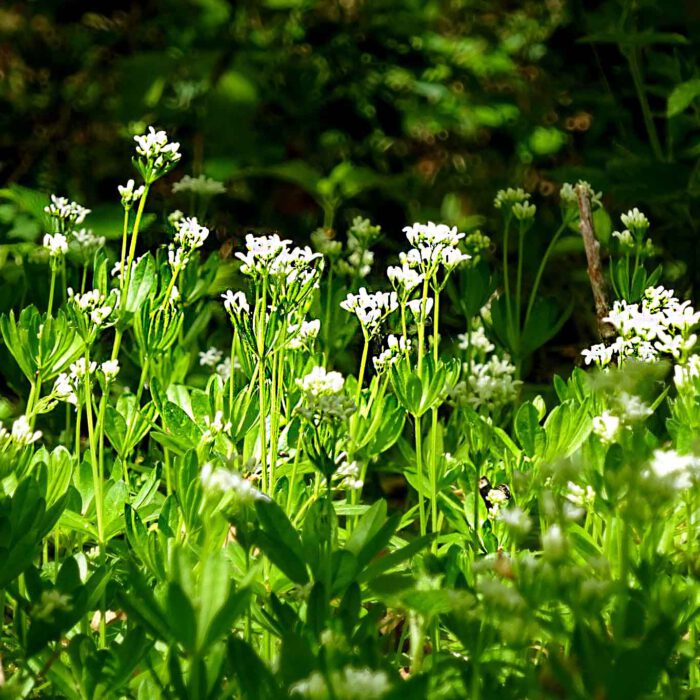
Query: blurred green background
x: 314, y: 111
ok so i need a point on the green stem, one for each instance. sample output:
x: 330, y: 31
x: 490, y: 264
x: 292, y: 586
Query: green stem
x: 125, y: 237
x: 540, y: 271
x: 635, y: 70
x: 419, y: 474
x: 361, y: 373
x: 134, y: 237
x: 52, y: 287
x: 434, y: 431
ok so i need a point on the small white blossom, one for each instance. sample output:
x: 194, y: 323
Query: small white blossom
x: 65, y: 213
x: 22, y: 433
x: 110, y: 369
x: 201, y: 185
x: 56, y: 244
x: 210, y: 357
x: 130, y: 194
x: 678, y: 471
x: 370, y: 309
x: 304, y: 333
x: 235, y: 302
x: 395, y: 348
x: 228, y: 482
x: 606, y: 426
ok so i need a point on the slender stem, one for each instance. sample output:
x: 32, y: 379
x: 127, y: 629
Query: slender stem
x: 434, y: 431
x: 293, y: 478
x: 421, y: 325
x: 134, y: 237
x: 125, y: 236
x: 635, y: 70
x: 519, y: 279
x: 230, y: 378
x: 171, y: 284
x: 52, y: 288
x: 506, y: 281
x: 540, y: 271
x: 419, y: 474
x: 361, y: 373
x: 261, y: 383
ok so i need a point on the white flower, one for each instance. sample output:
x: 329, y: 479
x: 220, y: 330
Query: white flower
x: 505, y: 199
x: 110, y: 369
x: 679, y: 471
x: 370, y: 309
x: 87, y: 241
x: 625, y: 238
x: 348, y: 684
x: 404, y: 279
x: 64, y: 389
x: 157, y: 154
x: 516, y: 520
x: 261, y: 252
x: 210, y: 357
x: 201, y: 185
x: 395, y: 348
x: 478, y: 341
x: 635, y: 220
x: 318, y: 381
x: 93, y: 304
x: 419, y: 309
x: 56, y: 244
x: 489, y: 385
x: 685, y: 375
x: 568, y: 194
x: 129, y: 194
x: 215, y: 427
x: 579, y: 496
x: 22, y: 433
x: 606, y: 426
x: 235, y: 302
x: 524, y: 211
x: 433, y: 245
x: 65, y: 212
x: 304, y: 333
x: 222, y: 480
x: 632, y: 408
x: 348, y: 476
x: 79, y: 369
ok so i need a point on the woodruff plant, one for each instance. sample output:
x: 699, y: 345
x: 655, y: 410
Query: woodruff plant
x: 182, y: 520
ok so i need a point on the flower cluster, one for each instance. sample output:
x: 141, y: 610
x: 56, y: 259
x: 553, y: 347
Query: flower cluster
x: 93, y: 304
x: 490, y: 384
x: 189, y: 235
x: 130, y: 194
x: 396, y: 347
x: 87, y: 243
x: 230, y: 483
x: 303, y: 334
x: 21, y: 435
x: 56, y: 244
x: 370, y: 309
x: 322, y: 396
x: 434, y: 246
x: 569, y: 198
x: 679, y: 471
x: 156, y: 155
x: 506, y: 199
x: 200, y: 185
x: 215, y: 426
x: 64, y: 213
x: 659, y: 325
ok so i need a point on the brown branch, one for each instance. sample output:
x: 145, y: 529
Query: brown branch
x: 595, y: 268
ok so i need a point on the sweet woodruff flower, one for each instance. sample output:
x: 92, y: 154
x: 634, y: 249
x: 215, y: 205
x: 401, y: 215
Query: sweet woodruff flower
x: 322, y: 396
x: 155, y: 154
x: 229, y: 482
x: 476, y: 340
x: 606, y: 426
x: 93, y: 304
x: 235, y: 303
x: 261, y: 252
x: 677, y: 470
x: 659, y: 325
x: 210, y: 357
x: 80, y: 369
x: 56, y: 244
x: 87, y: 242
x: 21, y: 434
x: 404, y: 279
x: 396, y: 347
x: 304, y: 333
x: 65, y: 389
x: 65, y: 213
x: 568, y: 194
x: 189, y: 235
x: 420, y: 309
x: 434, y: 245
x: 201, y: 185
x: 215, y: 426
x: 130, y: 194
x: 490, y: 384
x: 110, y: 369
x: 370, y: 309
x: 318, y: 382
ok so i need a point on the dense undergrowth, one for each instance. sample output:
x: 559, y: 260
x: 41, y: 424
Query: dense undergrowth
x: 196, y: 503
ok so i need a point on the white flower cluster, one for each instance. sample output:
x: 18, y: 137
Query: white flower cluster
x: 568, y: 194
x: 235, y: 303
x: 56, y: 244
x: 93, y: 304
x: 506, y: 199
x: 395, y: 348
x: 370, y: 309
x: 229, y: 482
x: 215, y: 426
x: 210, y: 357
x: 659, y: 325
x: 223, y: 369
x: 607, y: 427
x: 404, y: 279
x: 293, y: 271
x: 498, y: 498
x: 67, y: 384
x: 434, y: 245
x: 130, y: 194
x: 349, y: 684
x: 491, y: 384
x: 687, y: 374
x: 347, y: 475
x: 303, y: 334
x: 578, y: 495
x: 189, y: 235
x: 87, y: 242
x: 675, y: 470
x: 323, y: 396
x: 65, y: 213
x: 157, y: 154
x: 201, y: 185
x: 477, y: 340
x: 21, y: 434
